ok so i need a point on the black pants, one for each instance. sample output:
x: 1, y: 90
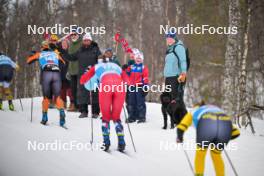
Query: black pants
x: 177, y: 89
x: 74, y: 83
x: 51, y: 84
x: 95, y: 108
x: 6, y: 73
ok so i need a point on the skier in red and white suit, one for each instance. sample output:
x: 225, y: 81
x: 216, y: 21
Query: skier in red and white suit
x: 111, y: 98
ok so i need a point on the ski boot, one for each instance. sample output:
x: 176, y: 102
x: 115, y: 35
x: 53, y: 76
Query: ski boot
x: 1, y: 104
x: 11, y: 106
x: 120, y: 134
x: 44, y: 118
x: 62, y: 117
x: 106, y: 136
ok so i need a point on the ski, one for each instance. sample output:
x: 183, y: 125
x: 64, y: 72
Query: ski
x: 64, y: 127
x: 124, y: 153
x: 47, y: 124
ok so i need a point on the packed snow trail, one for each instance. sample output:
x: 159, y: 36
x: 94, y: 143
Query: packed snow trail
x: 151, y: 158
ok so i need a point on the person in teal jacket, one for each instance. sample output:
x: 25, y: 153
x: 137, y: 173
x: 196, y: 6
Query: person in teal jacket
x: 175, y: 65
x: 175, y: 70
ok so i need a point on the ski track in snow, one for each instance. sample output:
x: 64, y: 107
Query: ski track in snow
x: 16, y: 160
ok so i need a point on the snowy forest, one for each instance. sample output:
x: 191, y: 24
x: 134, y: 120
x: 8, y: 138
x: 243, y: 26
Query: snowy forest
x: 227, y: 70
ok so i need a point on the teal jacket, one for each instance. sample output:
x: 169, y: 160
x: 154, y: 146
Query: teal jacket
x: 175, y: 66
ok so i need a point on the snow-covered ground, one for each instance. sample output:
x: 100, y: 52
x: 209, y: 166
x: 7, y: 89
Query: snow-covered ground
x: 153, y: 157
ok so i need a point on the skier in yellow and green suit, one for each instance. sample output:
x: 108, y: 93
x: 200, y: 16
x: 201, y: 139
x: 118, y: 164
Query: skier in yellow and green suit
x: 214, y: 128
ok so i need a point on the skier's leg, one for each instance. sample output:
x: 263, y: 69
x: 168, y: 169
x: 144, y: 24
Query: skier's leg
x: 8, y: 95
x: 105, y: 100
x: 45, y: 107
x: 118, y: 101
x: 2, y: 78
x: 106, y: 135
x: 218, y: 162
x: 46, y: 90
x: 56, y: 88
x: 199, y: 161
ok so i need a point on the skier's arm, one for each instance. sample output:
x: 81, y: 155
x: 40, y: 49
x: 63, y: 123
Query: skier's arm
x: 183, y: 126
x: 235, y: 132
x: 87, y: 76
x: 33, y: 58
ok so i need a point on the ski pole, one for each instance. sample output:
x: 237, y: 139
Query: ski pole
x: 188, y: 159
x: 21, y: 104
x: 230, y: 162
x: 131, y: 136
x: 31, y: 109
x: 91, y: 141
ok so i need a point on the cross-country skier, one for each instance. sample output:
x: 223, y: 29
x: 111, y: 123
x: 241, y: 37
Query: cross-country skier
x: 214, y: 131
x: 7, y: 67
x: 111, y: 98
x: 50, y: 79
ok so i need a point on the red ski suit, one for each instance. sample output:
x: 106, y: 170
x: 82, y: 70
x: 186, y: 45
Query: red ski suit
x: 111, y: 91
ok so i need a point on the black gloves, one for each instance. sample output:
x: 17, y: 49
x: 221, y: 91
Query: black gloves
x: 124, y: 67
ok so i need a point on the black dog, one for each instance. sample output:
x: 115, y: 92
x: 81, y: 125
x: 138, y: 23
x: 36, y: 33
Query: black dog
x: 176, y: 110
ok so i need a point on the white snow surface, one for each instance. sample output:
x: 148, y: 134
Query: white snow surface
x: 151, y: 158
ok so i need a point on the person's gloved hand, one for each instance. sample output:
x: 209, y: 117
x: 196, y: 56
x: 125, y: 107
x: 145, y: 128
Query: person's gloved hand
x: 88, y: 68
x: 124, y: 67
x: 32, y: 53
x: 68, y: 76
x: 17, y: 68
x: 182, y: 77
x: 179, y: 136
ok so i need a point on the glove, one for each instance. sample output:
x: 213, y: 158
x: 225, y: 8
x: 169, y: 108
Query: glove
x: 68, y: 76
x: 17, y: 68
x: 182, y: 77
x: 32, y: 53
x: 124, y: 67
x: 179, y: 135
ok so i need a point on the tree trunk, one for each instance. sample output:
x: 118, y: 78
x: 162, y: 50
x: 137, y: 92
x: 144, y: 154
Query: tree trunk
x: 231, y: 56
